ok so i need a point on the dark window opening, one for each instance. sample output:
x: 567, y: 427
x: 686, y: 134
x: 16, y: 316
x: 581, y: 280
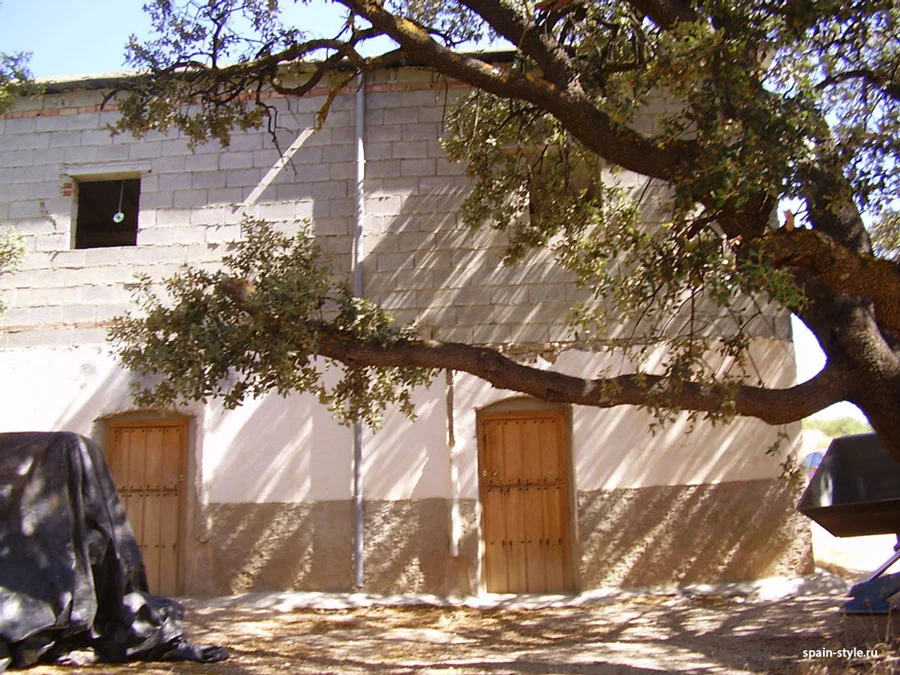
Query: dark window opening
x: 107, y: 213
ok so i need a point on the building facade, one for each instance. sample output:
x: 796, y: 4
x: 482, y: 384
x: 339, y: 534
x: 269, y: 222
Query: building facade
x: 485, y: 491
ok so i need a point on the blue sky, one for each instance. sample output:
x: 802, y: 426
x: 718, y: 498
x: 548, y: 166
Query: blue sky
x: 90, y: 38
x: 66, y: 38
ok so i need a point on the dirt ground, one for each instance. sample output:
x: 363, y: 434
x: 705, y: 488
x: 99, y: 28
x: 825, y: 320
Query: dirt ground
x: 630, y: 634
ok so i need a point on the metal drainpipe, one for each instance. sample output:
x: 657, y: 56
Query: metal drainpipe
x: 455, y: 516
x: 358, y: 290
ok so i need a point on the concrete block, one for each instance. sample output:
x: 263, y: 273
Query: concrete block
x: 383, y: 169
x: 20, y: 158
x: 509, y: 295
x: 242, y: 178
x: 437, y: 297
x: 435, y: 259
x: 57, y: 241
x: 223, y: 234
x: 89, y: 335
x: 98, y: 294
x: 168, y: 164
x: 342, y: 171
x: 20, y: 126
x: 330, y: 190
x: 384, y: 206
x: 173, y: 217
x: 229, y: 196
x: 548, y: 293
x: 386, y: 262
x: 81, y: 313
x: 199, y: 163
x: 84, y: 121
x: 444, y: 167
x: 434, y: 113
x: 208, y: 179
x: 321, y: 138
x: 385, y: 133
x: 49, y: 123
x: 409, y: 149
x: 26, y: 142
x: 419, y: 131
x: 189, y: 234
x: 339, y: 153
x: 266, y: 157
x: 292, y: 192
x: 154, y: 236
x: 381, y: 150
x: 342, y: 208
x: 456, y: 333
x: 345, y: 135
x: 417, y: 167
x: 438, y: 316
x: 95, y: 136
x: 457, y: 185
x: 401, y: 115
x: 237, y: 160
x: 388, y: 186
x: 174, y: 147
x: 62, y: 336
x: 169, y: 182
x: 78, y: 154
x: 251, y: 140
x: 211, y: 215
x: 190, y: 199
x: 109, y: 153
x: 398, y: 300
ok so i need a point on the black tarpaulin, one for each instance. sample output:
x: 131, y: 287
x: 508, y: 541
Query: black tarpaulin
x: 856, y: 489
x: 71, y: 574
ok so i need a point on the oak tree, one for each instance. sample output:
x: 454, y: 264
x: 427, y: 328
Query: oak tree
x: 767, y: 101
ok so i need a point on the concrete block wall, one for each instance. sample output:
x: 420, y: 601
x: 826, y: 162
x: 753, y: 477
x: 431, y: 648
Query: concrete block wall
x: 421, y: 262
x: 191, y: 205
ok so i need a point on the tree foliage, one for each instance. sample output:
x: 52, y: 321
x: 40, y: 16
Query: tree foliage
x: 255, y: 326
x: 12, y: 249
x: 837, y: 426
x: 15, y: 78
x: 762, y: 100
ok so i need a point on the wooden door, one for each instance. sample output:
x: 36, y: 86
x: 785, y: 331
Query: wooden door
x: 523, y: 468
x: 147, y: 461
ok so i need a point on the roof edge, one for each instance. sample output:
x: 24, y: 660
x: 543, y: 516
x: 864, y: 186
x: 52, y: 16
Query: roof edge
x: 111, y: 80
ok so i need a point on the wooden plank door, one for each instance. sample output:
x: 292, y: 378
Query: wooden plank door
x: 523, y: 467
x: 147, y: 461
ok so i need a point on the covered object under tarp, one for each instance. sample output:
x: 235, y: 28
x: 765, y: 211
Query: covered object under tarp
x: 71, y: 574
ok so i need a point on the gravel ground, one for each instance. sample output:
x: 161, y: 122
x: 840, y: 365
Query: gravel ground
x: 757, y: 628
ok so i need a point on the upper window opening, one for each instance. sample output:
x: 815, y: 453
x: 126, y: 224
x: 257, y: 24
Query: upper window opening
x: 107, y: 213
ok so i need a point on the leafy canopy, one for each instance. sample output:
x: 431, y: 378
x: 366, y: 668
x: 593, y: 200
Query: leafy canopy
x: 254, y: 326
x: 647, y: 142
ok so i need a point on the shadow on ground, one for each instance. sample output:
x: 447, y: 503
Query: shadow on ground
x: 633, y: 636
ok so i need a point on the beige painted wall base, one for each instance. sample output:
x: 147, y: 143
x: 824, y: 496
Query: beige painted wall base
x: 637, y: 537
x: 277, y: 546
x: 692, y: 534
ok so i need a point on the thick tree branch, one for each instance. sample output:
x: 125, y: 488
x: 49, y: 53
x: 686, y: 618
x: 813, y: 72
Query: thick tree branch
x: 654, y: 157
x: 885, y: 82
x: 841, y: 269
x: 775, y: 406
x: 664, y: 13
x: 539, y: 45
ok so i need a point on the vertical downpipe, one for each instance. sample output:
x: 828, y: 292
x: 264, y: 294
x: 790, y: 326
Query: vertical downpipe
x: 455, y: 516
x: 358, y: 289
